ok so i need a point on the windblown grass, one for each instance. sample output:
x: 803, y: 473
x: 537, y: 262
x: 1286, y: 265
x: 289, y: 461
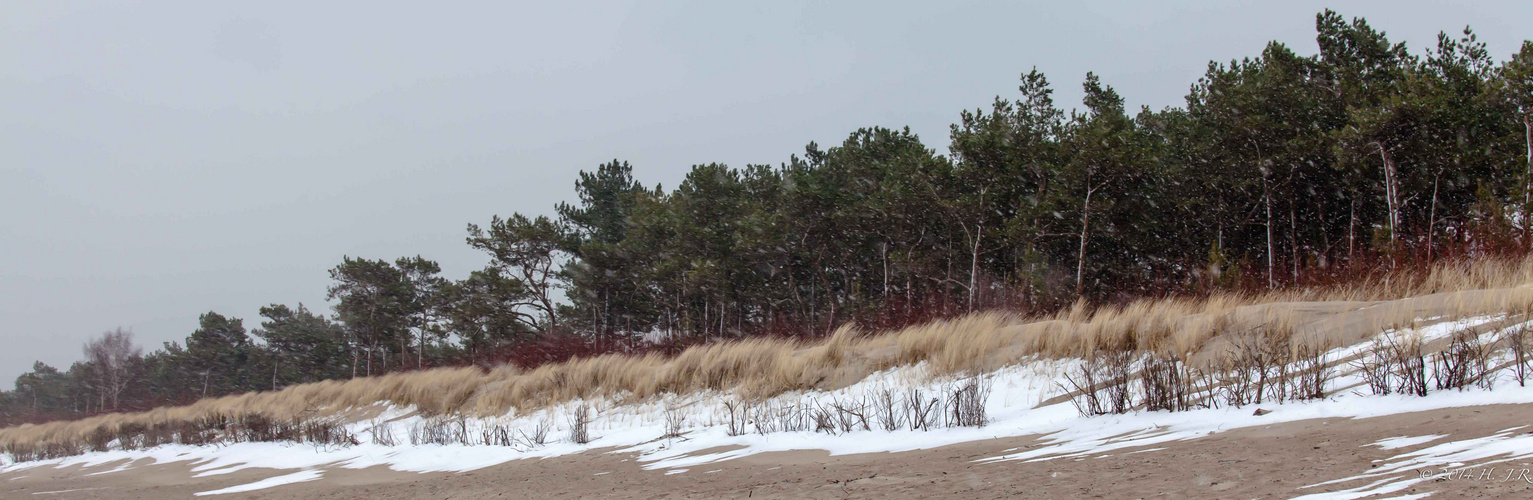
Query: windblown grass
x: 1193, y: 331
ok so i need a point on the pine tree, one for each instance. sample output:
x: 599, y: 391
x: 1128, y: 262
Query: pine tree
x: 374, y: 305
x: 219, y: 350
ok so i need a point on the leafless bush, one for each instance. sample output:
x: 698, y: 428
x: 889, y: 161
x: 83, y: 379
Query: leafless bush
x: 1197, y: 386
x: 255, y: 427
x: 764, y: 417
x: 967, y: 403
x: 1516, y: 340
x: 1237, y: 380
x: 20, y: 452
x: 198, y: 432
x: 921, y: 412
x: 580, y: 425
x: 440, y: 430
x: 431, y: 430
x: 159, y: 434
x: 1408, y: 365
x: 1375, y: 366
x: 1255, y: 368
x: 326, y: 432
x: 62, y: 449
x: 214, y: 429
x: 133, y: 436
x: 1083, y: 384
x: 851, y: 413
x: 252, y: 427
x: 459, y: 428
x: 1101, y: 382
x: 675, y: 419
x: 99, y: 439
x: 539, y: 434
x: 1463, y: 362
x: 1279, y: 378
x: 1311, y: 370
x: 824, y: 418
x: 497, y: 434
x: 382, y: 434
x: 1271, y: 358
x: 1165, y: 383
x: 286, y: 430
x: 1207, y: 380
x: 886, y: 408
x: 737, y: 416
x: 1119, y: 396
x: 793, y: 417
x: 768, y: 417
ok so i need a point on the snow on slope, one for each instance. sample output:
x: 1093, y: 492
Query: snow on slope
x: 1014, y: 409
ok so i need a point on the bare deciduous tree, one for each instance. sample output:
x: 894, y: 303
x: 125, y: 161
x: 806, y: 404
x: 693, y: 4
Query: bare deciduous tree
x: 112, y: 356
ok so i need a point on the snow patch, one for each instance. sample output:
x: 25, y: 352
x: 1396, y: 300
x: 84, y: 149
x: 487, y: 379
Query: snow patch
x: 1431, y: 463
x: 1406, y: 442
x: 296, y: 477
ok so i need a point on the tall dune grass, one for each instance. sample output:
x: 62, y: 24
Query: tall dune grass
x: 1192, y: 329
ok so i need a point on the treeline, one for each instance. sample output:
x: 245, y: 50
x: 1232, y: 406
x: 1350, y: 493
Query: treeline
x: 1281, y: 170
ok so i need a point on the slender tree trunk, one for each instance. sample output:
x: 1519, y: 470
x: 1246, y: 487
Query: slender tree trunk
x: 1271, y: 262
x: 947, y: 285
x: 112, y: 380
x: 1527, y: 226
x: 1216, y: 264
x: 372, y: 315
x: 831, y: 298
x: 1432, y: 219
x: 885, y: 257
x: 1352, y: 234
x: 548, y: 305
x: 978, y: 237
x: 1293, y: 239
x: 1080, y: 259
x: 814, y: 304
x: 979, y: 232
x: 1391, y: 193
x: 909, y: 291
x: 1324, y: 255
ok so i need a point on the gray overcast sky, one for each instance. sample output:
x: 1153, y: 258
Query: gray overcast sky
x: 164, y: 159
